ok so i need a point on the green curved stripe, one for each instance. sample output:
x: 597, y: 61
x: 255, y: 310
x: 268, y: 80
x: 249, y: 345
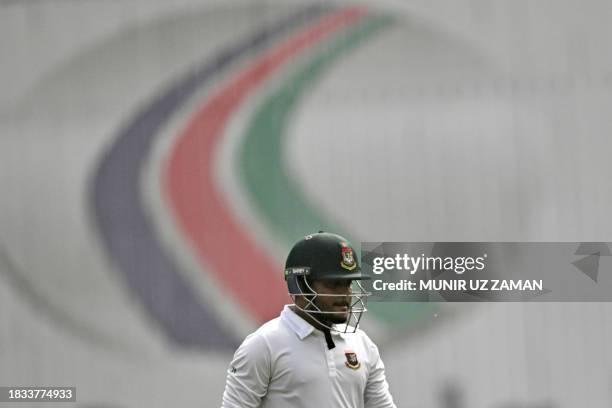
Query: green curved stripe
x: 286, y: 209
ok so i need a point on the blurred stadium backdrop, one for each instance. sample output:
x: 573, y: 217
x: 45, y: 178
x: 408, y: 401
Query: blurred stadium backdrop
x: 159, y: 158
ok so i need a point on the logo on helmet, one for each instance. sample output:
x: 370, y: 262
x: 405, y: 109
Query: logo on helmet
x: 351, y: 360
x: 348, y: 260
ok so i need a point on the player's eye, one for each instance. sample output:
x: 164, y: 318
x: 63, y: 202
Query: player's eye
x: 340, y: 284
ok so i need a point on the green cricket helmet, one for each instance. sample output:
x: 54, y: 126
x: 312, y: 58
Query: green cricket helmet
x: 325, y: 256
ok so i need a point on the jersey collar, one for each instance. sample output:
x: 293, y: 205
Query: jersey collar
x: 300, y: 326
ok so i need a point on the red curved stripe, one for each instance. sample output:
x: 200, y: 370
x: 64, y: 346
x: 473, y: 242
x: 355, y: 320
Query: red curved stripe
x: 239, y: 264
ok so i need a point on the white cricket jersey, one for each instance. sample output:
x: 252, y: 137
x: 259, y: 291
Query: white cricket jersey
x: 286, y: 363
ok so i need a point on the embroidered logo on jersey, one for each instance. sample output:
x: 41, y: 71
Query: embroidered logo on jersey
x: 348, y: 260
x: 351, y: 360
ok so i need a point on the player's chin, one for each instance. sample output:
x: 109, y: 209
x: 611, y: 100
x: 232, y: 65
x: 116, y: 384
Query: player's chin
x: 338, y: 317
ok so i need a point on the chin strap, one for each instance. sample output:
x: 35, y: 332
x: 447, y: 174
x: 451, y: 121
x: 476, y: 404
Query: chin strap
x: 328, y: 339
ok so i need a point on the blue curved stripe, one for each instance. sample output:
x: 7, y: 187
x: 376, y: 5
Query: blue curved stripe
x: 126, y: 229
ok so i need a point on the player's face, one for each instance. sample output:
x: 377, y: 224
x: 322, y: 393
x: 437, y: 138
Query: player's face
x: 337, y: 304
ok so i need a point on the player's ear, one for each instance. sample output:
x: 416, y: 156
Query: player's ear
x: 314, y: 285
x: 308, y: 285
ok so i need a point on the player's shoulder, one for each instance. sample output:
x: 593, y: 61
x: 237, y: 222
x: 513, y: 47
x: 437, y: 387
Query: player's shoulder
x: 266, y: 334
x: 270, y: 328
x: 367, y: 342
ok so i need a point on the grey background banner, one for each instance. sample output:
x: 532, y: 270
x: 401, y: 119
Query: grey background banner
x: 488, y: 271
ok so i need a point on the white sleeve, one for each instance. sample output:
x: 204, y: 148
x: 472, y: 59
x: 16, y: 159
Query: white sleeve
x: 248, y: 374
x: 377, y: 393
